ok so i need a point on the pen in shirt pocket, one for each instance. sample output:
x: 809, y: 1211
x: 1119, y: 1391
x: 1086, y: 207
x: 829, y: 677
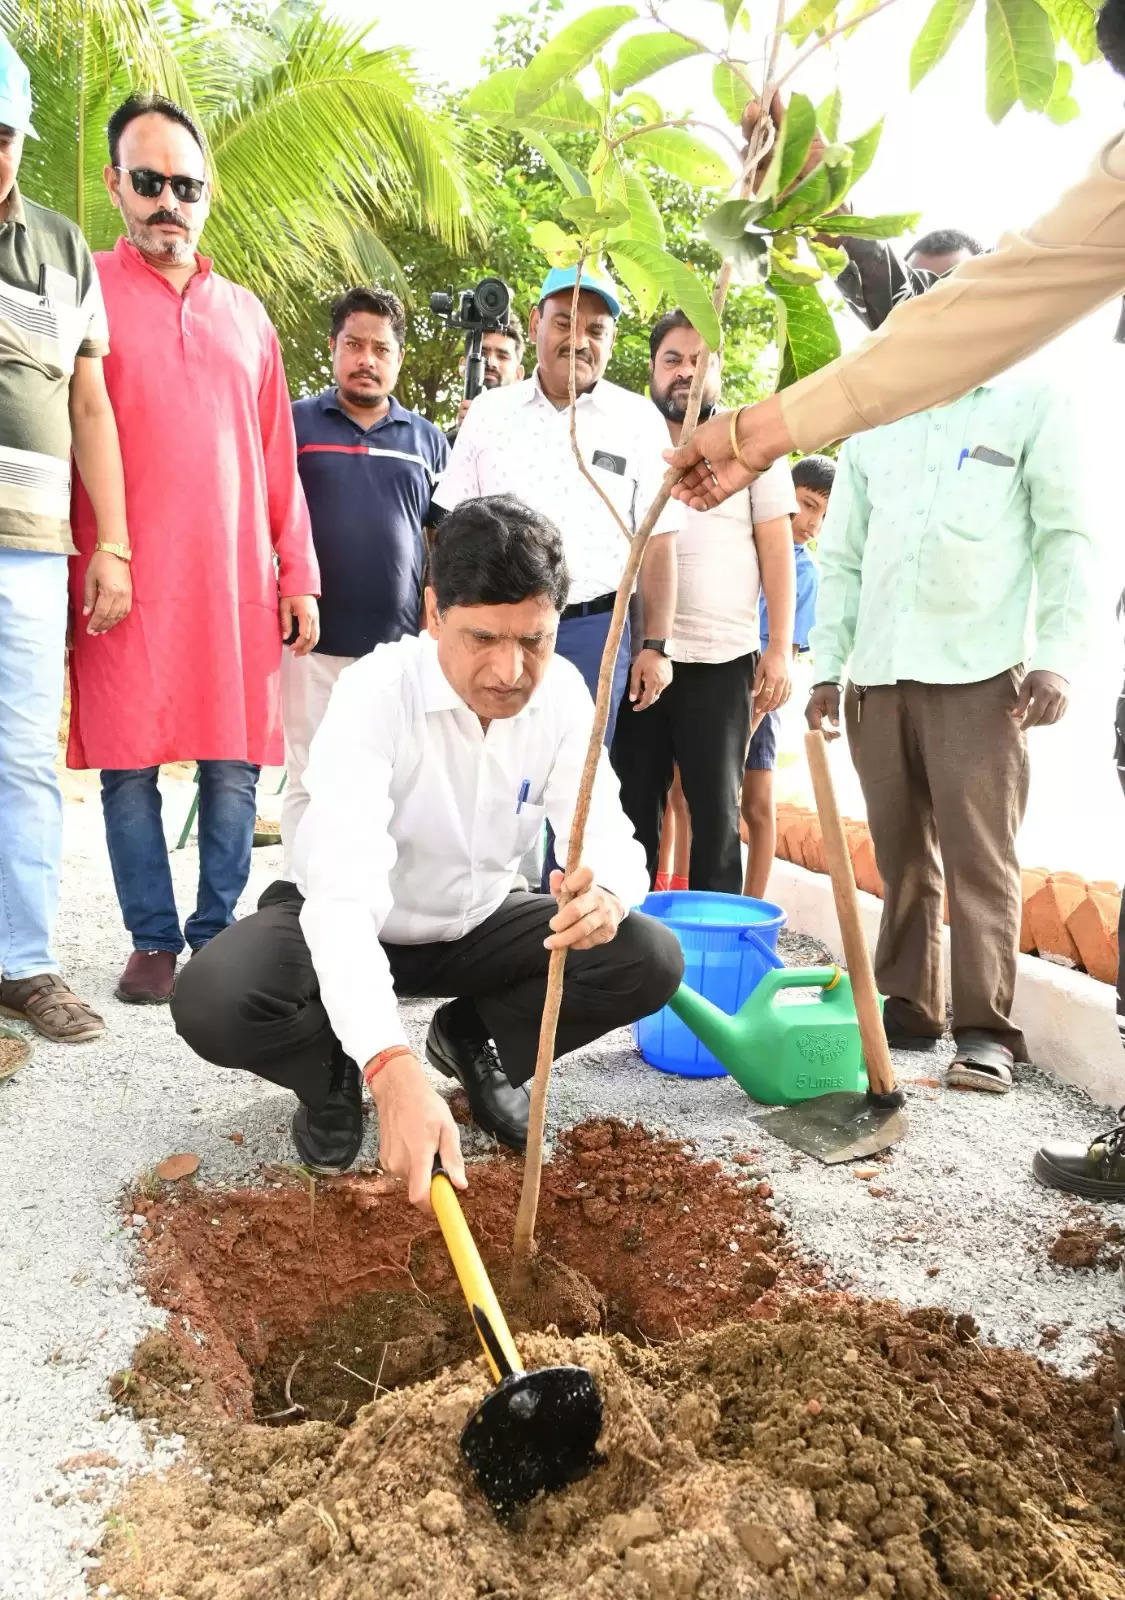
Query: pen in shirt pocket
x: 525, y: 790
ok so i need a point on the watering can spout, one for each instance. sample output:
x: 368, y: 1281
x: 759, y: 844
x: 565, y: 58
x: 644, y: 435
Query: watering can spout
x: 714, y: 1029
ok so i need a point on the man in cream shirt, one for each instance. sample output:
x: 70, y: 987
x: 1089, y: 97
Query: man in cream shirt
x: 721, y: 678
x: 437, y: 762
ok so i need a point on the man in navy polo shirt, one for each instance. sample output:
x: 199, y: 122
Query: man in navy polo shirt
x: 368, y: 467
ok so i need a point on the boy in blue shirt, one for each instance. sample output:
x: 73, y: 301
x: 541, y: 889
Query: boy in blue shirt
x: 812, y: 483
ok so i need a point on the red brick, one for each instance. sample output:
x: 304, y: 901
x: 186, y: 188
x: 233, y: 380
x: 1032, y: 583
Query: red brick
x: 1093, y: 927
x: 1047, y: 911
x: 1033, y: 879
x: 814, y: 848
x: 866, y: 872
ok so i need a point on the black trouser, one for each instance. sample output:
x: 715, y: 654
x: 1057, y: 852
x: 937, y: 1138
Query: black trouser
x: 251, y: 998
x: 702, y: 724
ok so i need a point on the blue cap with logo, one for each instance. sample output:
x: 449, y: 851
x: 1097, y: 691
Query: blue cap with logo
x: 15, y: 91
x: 563, y: 278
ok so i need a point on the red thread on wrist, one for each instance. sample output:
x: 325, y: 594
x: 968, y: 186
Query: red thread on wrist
x: 377, y: 1063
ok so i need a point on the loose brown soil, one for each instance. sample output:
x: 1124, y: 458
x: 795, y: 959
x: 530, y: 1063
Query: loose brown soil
x: 255, y: 1277
x: 13, y: 1053
x: 811, y: 1446
x: 1087, y: 1243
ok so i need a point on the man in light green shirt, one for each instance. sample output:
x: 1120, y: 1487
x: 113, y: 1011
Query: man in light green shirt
x: 957, y: 551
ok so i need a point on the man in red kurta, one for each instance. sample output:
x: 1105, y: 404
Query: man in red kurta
x: 212, y: 495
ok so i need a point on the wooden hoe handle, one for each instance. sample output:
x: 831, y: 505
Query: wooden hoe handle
x: 880, y: 1072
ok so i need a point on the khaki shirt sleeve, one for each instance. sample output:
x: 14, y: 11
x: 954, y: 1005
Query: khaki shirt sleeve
x: 992, y: 312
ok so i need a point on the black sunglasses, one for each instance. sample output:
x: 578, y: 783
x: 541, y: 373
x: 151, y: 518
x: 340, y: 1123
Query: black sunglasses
x: 150, y: 185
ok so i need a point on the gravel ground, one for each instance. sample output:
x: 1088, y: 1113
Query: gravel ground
x: 80, y: 1123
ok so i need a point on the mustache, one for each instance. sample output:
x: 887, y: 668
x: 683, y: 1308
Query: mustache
x: 582, y: 353
x: 167, y: 216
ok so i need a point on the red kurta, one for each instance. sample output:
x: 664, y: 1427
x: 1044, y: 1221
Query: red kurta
x: 212, y: 492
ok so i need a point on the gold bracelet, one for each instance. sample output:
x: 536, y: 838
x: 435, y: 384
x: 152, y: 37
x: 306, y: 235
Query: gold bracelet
x: 735, y: 448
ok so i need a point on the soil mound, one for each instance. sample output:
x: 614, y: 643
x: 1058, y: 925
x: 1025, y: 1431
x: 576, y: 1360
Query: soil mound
x: 833, y: 1452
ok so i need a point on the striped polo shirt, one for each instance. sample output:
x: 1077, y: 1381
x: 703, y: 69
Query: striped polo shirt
x: 368, y: 492
x: 50, y: 312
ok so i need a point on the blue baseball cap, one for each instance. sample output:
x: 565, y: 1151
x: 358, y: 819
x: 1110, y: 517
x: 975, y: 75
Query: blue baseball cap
x: 15, y: 91
x: 563, y: 278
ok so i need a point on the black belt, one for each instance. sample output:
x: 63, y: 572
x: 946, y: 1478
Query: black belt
x: 590, y: 608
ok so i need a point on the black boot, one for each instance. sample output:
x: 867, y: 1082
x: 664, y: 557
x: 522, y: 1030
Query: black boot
x: 458, y: 1046
x: 1095, y: 1171
x: 328, y: 1139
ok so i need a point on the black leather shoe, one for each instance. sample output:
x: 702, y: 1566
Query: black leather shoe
x: 1096, y: 1171
x: 472, y: 1060
x: 328, y: 1139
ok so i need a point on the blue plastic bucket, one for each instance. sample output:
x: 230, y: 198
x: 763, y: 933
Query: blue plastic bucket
x: 729, y: 943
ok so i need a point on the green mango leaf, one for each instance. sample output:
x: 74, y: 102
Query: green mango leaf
x: 568, y: 52
x: 561, y: 249
x: 677, y: 281
x: 644, y: 288
x: 648, y: 105
x: 1019, y: 56
x: 856, y: 16
x: 797, y: 132
x: 565, y: 111
x: 731, y: 91
x: 727, y: 223
x: 890, y: 226
x: 1076, y: 21
x: 749, y: 257
x: 644, y: 220
x: 807, y: 201
x: 731, y: 10
x: 573, y: 181
x: 646, y: 53
x: 863, y: 150
x: 813, y: 14
x: 683, y: 155
x: 789, y: 269
x: 806, y: 334
x: 837, y: 155
x: 828, y: 116
x: 941, y: 27
x: 586, y: 212
x: 839, y: 182
x: 495, y: 94
x: 1062, y: 106
x: 831, y: 259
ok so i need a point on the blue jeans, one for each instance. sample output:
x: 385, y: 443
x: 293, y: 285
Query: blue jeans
x: 139, y: 855
x: 32, y: 649
x: 581, y: 641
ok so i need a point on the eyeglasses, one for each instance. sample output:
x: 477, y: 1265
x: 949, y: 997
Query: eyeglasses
x: 150, y: 185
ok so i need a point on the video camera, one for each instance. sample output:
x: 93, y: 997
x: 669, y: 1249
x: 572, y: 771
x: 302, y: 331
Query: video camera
x: 482, y: 310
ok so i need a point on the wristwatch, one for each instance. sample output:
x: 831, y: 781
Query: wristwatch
x: 121, y: 551
x: 659, y: 645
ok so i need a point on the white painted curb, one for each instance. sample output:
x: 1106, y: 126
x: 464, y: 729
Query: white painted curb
x: 1067, y: 1017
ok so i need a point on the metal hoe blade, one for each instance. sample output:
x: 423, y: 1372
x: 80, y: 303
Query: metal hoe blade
x: 837, y: 1127
x: 537, y: 1431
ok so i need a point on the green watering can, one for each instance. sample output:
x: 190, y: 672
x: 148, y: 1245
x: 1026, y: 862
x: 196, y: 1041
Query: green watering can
x: 781, y: 1054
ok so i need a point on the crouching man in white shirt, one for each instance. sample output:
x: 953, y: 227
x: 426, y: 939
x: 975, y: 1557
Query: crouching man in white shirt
x: 435, y: 767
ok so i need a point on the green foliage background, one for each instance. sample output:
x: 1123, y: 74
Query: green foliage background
x: 522, y: 191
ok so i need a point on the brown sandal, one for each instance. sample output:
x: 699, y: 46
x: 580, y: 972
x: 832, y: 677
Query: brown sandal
x: 51, y: 1007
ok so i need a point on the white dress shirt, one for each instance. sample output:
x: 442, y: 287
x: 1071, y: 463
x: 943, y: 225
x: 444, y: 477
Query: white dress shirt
x: 718, y: 580
x: 415, y: 824
x: 514, y: 441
